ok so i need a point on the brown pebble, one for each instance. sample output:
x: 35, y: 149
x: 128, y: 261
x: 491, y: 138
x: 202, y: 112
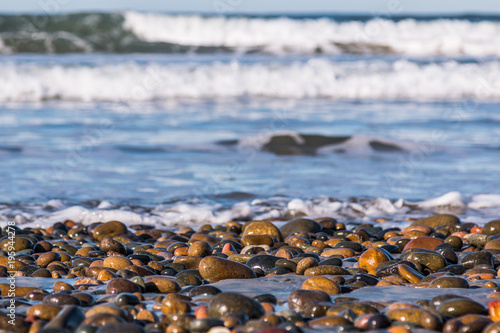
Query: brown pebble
x: 119, y: 285
x: 262, y: 228
x: 305, y: 264
x: 371, y: 258
x: 321, y: 283
x: 117, y: 262
x: 215, y: 269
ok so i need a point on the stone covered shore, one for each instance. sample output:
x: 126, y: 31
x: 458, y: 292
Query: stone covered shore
x: 437, y: 274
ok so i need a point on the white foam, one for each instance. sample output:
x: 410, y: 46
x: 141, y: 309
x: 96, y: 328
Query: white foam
x: 478, y: 209
x: 317, y: 78
x: 283, y: 35
x: 483, y: 201
x: 453, y: 200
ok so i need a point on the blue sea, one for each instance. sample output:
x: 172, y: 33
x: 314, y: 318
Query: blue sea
x: 191, y: 119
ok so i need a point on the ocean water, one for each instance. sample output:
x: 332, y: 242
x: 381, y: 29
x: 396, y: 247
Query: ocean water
x: 187, y: 119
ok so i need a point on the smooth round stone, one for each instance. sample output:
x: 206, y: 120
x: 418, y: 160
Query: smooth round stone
x: 191, y: 262
x: 20, y: 244
x: 177, y: 266
x: 424, y: 243
x: 109, y: 244
x: 357, y: 247
x: 449, y: 255
x: 161, y: 284
x: 107, y: 308
x: 120, y: 285
x: 326, y: 270
x: 117, y: 262
x: 215, y: 269
x: 262, y: 263
x: 371, y: 258
x: 109, y: 229
x: 61, y: 299
x: 454, y: 269
x: 124, y: 299
x: 204, y: 325
x: 28, y: 270
x: 459, y: 307
x: 331, y: 262
x: 477, y: 258
x: 494, y: 310
x: 345, y: 252
x: 43, y: 311
x: 204, y: 291
x: 409, y: 274
x: 200, y: 249
x: 291, y: 265
x: 369, y: 280
x: 85, y: 298
x: 46, y: 258
x: 419, y: 317
x: 169, y: 272
x: 305, y: 264
x: 268, y: 298
x: 69, y: 317
x: 492, y: 228
x: 224, y: 304
x: 300, y: 224
x: 321, y: 283
x: 306, y: 302
x: 454, y: 241
x: 493, y: 244
x: 449, y: 282
x: 175, y: 306
x: 262, y: 228
x: 257, y: 240
x: 372, y: 322
x: 329, y: 321
x: 437, y: 221
x: 438, y: 300
x: 42, y: 272
x: 433, y: 261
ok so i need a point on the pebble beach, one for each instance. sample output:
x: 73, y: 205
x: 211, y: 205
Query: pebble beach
x: 309, y: 275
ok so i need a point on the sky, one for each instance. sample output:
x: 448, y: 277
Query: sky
x: 393, y: 7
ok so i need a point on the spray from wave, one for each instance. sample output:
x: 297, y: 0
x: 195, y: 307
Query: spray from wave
x: 316, y: 78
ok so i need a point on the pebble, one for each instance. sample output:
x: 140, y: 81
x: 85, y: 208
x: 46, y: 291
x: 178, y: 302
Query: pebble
x: 300, y: 224
x: 323, y: 284
x: 371, y: 258
x: 306, y: 302
x: 424, y: 243
x: 214, y: 269
x: 109, y: 229
x: 437, y: 221
x: 116, y: 262
x: 120, y: 285
x: 449, y: 282
x: 224, y: 304
x: 492, y: 228
x: 262, y: 228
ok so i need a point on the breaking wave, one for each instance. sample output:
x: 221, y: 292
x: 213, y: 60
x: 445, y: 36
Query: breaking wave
x: 132, y: 32
x: 315, y: 78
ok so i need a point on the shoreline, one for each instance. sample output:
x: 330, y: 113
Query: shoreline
x: 438, y: 273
